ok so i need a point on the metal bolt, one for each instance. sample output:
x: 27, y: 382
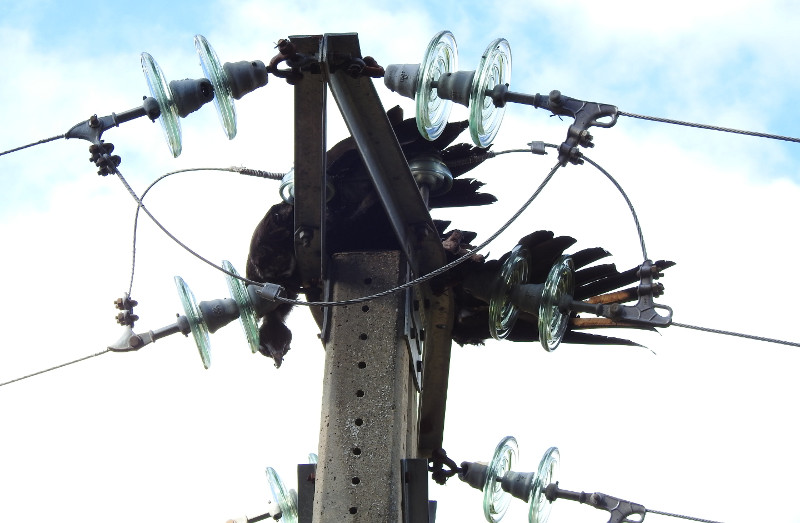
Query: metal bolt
x: 575, y: 156
x: 304, y: 235
x: 422, y: 231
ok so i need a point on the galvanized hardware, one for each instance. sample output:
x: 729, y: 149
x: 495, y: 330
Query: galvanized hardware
x: 619, y: 509
x: 100, y: 157
x: 586, y: 114
x: 437, y: 462
x: 126, y: 305
x: 93, y: 128
x: 130, y: 341
x: 269, y: 292
x: 644, y: 312
x: 297, y: 60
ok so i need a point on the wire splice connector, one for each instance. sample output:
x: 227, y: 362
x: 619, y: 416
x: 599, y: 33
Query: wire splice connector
x: 537, y: 147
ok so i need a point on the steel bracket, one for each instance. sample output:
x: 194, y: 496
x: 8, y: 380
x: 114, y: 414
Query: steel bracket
x: 306, y: 477
x: 416, y: 506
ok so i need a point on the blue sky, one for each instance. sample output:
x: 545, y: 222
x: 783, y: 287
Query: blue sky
x: 153, y: 436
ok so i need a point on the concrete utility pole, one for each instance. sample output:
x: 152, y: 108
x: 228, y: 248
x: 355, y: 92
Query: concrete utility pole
x: 368, y: 422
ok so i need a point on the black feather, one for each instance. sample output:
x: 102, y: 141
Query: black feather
x: 355, y: 220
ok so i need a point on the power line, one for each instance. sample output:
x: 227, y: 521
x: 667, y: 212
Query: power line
x: 52, y: 138
x: 399, y: 288
x: 56, y: 367
x: 627, y: 200
x: 710, y: 127
x: 670, y: 514
x: 737, y: 334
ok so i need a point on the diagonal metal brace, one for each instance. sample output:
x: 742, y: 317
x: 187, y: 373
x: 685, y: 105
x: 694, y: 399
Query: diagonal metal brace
x: 384, y: 159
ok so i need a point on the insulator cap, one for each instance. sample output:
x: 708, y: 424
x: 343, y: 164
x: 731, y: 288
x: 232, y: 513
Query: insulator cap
x: 456, y: 86
x: 218, y: 313
x: 518, y: 484
x: 431, y: 172
x: 474, y: 474
x: 245, y: 76
x: 402, y: 78
x: 191, y: 95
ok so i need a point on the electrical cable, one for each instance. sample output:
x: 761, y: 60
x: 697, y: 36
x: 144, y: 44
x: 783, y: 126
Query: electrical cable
x: 434, y: 273
x: 440, y: 270
x: 387, y: 292
x: 710, y: 127
x: 644, y: 253
x: 607, y: 174
x: 54, y: 368
x: 737, y: 334
x: 399, y: 288
x: 627, y: 200
x: 240, y: 170
x: 670, y: 514
x: 52, y: 138
x: 444, y: 268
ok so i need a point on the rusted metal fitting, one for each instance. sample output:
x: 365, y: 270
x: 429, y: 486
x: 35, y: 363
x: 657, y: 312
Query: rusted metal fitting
x: 372, y: 69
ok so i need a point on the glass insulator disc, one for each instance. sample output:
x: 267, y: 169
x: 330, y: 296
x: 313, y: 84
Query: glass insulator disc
x: 216, y: 74
x: 247, y: 312
x: 502, y: 313
x: 196, y: 321
x: 495, y: 499
x: 552, y: 322
x: 285, y: 498
x: 493, y: 69
x: 546, y: 474
x: 159, y: 89
x: 441, y: 57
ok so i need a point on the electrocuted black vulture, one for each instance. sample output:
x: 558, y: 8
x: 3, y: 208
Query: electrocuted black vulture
x: 356, y: 221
